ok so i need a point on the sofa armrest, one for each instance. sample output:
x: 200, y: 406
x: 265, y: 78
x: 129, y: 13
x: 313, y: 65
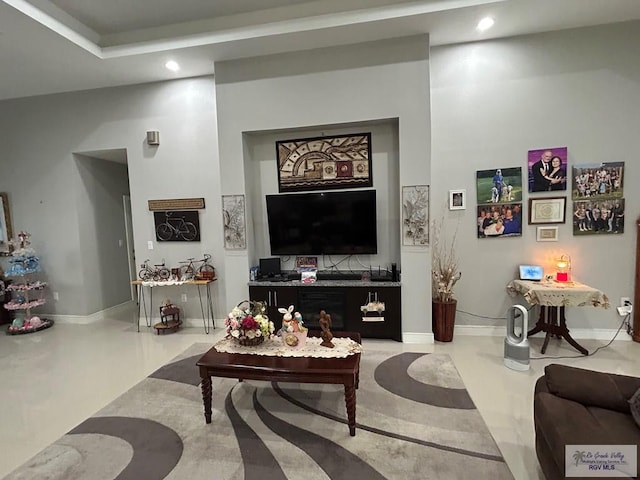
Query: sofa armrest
x: 591, y: 388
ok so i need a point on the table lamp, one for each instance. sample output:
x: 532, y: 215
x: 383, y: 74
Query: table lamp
x: 564, y: 268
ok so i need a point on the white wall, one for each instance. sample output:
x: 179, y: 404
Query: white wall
x: 492, y: 102
x: 39, y: 136
x: 323, y: 88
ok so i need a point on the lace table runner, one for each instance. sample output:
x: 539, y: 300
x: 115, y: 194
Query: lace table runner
x: 274, y: 347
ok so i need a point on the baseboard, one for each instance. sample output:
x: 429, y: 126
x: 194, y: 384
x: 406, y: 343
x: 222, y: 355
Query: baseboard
x: 577, y: 333
x: 110, y: 312
x: 411, y: 337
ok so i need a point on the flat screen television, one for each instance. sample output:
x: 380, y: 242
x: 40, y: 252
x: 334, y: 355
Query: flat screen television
x: 323, y: 223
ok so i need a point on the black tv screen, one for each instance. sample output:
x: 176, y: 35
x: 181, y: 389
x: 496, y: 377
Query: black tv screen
x: 323, y: 223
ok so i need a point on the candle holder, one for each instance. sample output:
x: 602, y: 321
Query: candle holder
x: 564, y: 269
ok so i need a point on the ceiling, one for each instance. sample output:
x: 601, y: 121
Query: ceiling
x: 52, y: 46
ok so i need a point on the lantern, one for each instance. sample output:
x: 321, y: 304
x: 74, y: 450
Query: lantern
x: 564, y: 268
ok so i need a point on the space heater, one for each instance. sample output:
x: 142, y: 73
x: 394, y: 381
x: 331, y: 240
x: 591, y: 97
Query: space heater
x: 516, y: 344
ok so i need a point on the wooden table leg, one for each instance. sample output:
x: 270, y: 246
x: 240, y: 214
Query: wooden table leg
x: 206, y: 397
x: 564, y: 332
x: 350, y: 400
x: 539, y: 326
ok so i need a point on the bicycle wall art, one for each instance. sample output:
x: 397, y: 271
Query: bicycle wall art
x: 233, y: 214
x: 177, y: 226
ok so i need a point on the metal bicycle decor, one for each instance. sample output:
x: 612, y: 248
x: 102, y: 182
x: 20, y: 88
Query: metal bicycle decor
x: 340, y: 161
x: 177, y: 226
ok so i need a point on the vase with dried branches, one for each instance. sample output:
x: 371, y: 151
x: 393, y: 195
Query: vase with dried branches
x: 445, y: 273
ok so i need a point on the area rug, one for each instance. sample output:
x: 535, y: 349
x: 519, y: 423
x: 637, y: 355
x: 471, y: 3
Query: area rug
x: 415, y: 420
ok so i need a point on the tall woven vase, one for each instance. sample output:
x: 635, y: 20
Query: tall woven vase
x: 443, y: 319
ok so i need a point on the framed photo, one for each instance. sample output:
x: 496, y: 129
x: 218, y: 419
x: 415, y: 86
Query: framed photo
x: 320, y: 163
x: 457, y: 199
x: 547, y: 169
x: 598, y: 181
x: 6, y: 231
x: 598, y: 217
x: 235, y: 227
x: 499, y: 185
x: 415, y: 215
x: 547, y: 234
x: 500, y: 220
x: 547, y: 210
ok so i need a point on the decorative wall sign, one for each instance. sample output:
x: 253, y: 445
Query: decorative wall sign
x: 415, y: 215
x: 233, y: 215
x: 598, y: 181
x: 547, y: 169
x: 500, y: 185
x: 547, y: 234
x: 177, y: 204
x: 177, y: 226
x: 6, y: 231
x: 342, y: 161
x: 591, y: 217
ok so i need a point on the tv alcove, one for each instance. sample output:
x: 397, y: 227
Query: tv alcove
x: 342, y: 299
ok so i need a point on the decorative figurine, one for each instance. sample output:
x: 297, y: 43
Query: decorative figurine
x: 293, y: 333
x: 325, y: 324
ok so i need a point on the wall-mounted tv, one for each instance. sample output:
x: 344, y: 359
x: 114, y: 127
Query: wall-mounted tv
x: 323, y: 223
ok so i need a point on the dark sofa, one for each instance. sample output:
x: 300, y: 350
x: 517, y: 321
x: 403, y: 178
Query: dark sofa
x: 573, y: 406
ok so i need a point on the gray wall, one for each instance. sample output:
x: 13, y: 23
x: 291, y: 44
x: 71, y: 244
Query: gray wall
x: 51, y: 193
x: 322, y: 89
x: 492, y: 102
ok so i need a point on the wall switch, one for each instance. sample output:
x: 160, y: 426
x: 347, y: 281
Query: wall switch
x: 120, y: 243
x: 56, y: 296
x: 150, y: 245
x: 184, y: 297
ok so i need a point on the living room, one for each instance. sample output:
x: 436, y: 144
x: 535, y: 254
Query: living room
x: 441, y: 113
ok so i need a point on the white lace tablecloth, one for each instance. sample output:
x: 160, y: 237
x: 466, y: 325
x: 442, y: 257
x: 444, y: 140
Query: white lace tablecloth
x: 274, y: 347
x: 164, y: 283
x: 558, y: 294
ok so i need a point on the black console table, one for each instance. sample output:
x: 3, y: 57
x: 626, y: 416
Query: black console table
x: 342, y: 299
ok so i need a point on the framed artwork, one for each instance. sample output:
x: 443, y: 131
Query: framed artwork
x: 177, y: 226
x: 547, y: 169
x: 415, y: 215
x: 596, y: 181
x: 6, y: 231
x: 235, y: 226
x: 341, y: 161
x: 547, y: 210
x: 457, y: 199
x: 500, y: 220
x: 598, y: 217
x: 500, y: 185
x: 547, y: 234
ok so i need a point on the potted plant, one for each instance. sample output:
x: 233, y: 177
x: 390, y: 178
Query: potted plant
x: 445, y: 274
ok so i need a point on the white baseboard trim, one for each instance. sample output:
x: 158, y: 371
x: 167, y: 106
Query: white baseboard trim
x: 577, y: 333
x: 94, y: 317
x: 411, y: 337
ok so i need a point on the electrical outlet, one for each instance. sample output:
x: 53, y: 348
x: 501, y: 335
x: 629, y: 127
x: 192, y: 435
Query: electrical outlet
x: 150, y: 245
x: 184, y: 297
x: 625, y: 301
x: 56, y: 296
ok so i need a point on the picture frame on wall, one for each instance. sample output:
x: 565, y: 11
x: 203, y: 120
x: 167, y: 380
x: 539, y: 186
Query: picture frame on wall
x: 320, y: 163
x: 177, y: 226
x: 6, y: 230
x: 415, y: 215
x: 547, y: 169
x: 547, y: 210
x: 234, y: 218
x: 457, y: 199
x: 499, y: 185
x: 547, y: 234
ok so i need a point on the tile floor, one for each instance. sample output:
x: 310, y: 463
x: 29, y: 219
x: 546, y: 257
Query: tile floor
x: 54, y: 379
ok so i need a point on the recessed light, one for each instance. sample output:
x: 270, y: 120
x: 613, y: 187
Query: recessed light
x: 485, y: 24
x: 172, y: 65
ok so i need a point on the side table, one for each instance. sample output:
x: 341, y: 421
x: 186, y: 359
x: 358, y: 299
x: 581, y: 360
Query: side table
x: 553, y: 297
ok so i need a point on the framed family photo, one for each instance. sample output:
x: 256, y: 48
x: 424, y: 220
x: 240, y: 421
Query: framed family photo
x: 457, y: 199
x: 547, y: 210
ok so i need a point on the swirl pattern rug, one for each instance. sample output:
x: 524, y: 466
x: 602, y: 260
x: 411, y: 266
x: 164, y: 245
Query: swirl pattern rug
x: 415, y: 420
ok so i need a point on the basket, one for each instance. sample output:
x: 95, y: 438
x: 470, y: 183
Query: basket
x: 251, y: 342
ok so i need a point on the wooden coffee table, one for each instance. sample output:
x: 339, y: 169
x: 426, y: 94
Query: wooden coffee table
x: 344, y: 371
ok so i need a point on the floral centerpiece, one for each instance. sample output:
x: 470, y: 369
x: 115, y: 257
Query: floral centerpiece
x: 249, y: 324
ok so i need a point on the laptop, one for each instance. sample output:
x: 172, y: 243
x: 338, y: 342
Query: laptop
x: 531, y: 272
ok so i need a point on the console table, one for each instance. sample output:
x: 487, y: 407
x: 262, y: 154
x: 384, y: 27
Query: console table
x: 207, y: 317
x: 345, y: 300
x: 553, y: 297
